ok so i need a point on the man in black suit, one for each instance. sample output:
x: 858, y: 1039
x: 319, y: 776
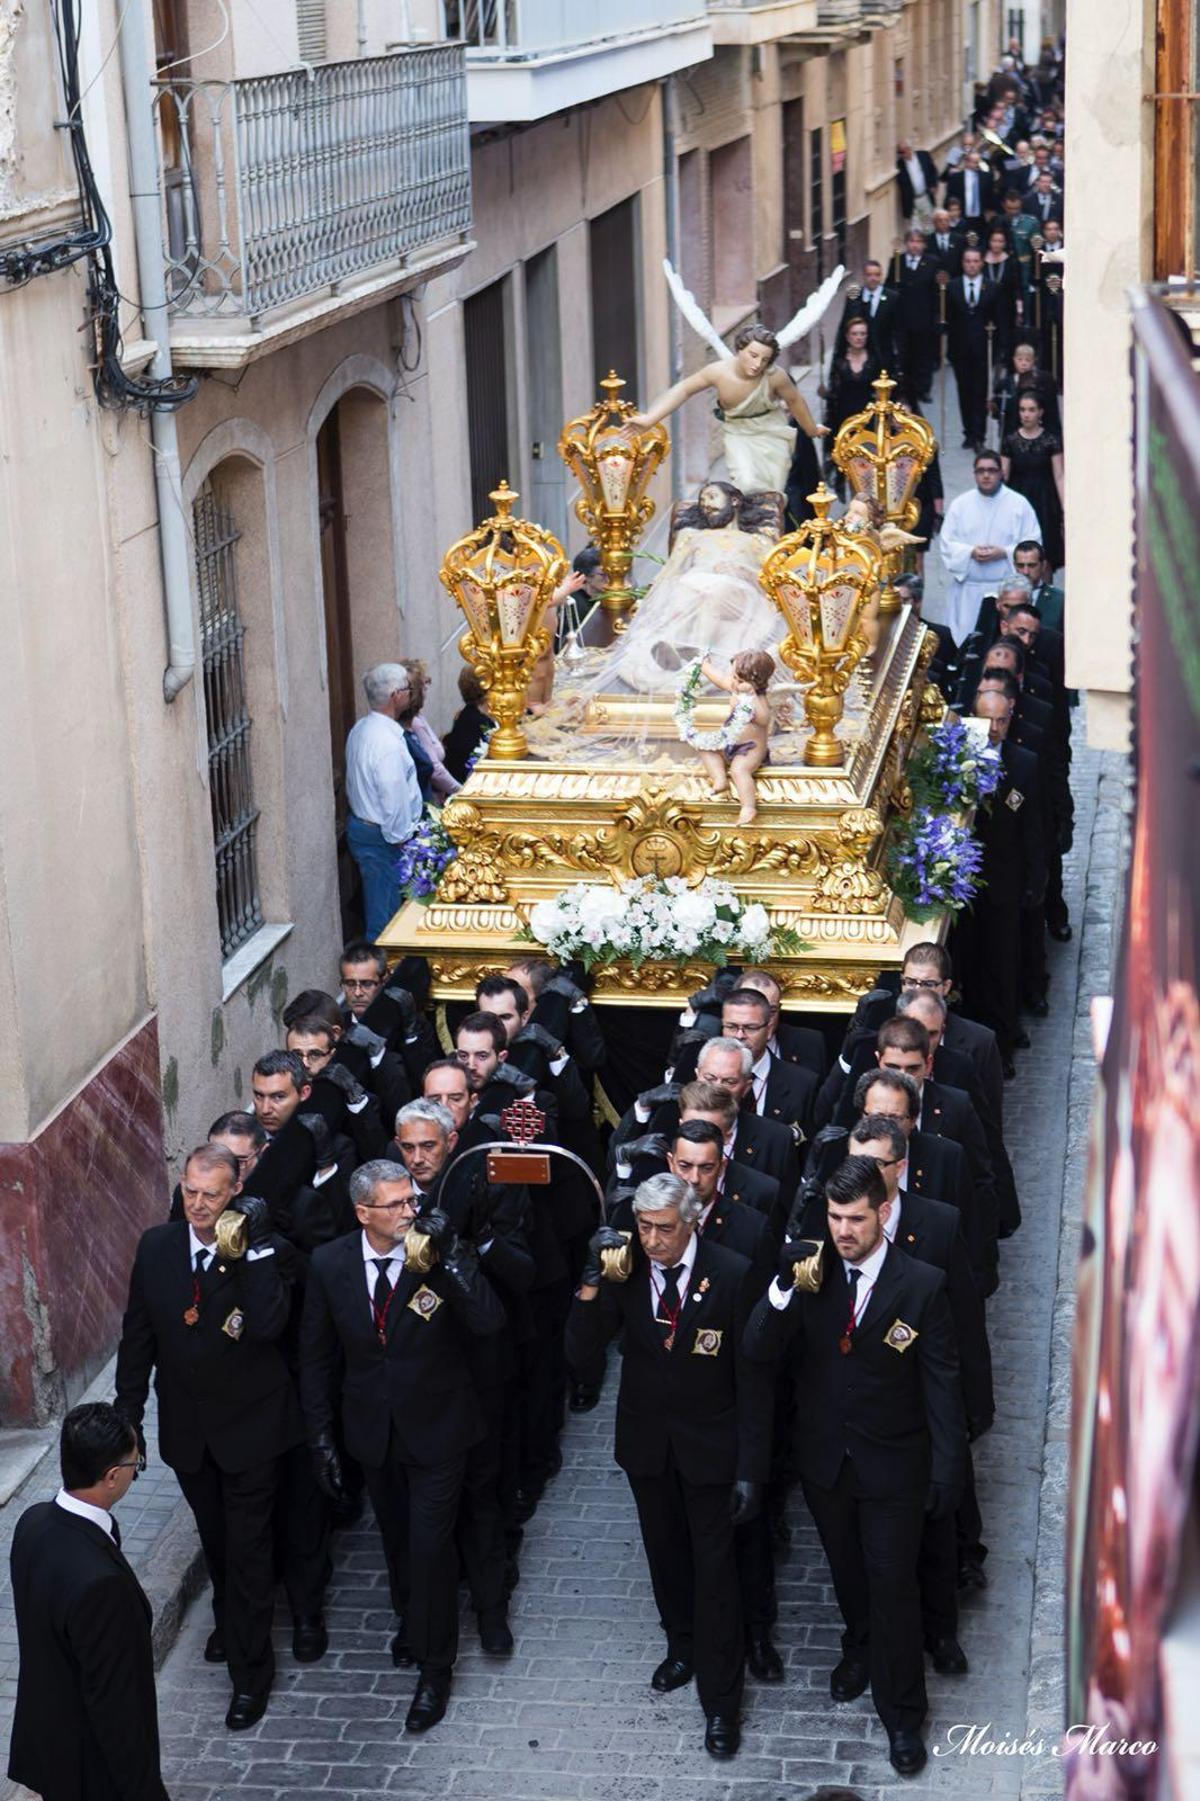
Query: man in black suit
x: 86, y: 1719
x: 693, y: 1431
x: 928, y: 969
x: 946, y: 243
x: 737, y: 1181
x: 881, y: 1439
x: 877, y: 305
x: 1013, y: 876
x: 973, y: 187
x: 582, y: 1036
x: 937, y: 1167
x: 388, y: 1344
x: 762, y: 1144
x: 778, y: 1090
x: 917, y: 315
x: 208, y: 1325
x: 916, y: 180
x: 1045, y: 202
x: 380, y: 1003
x: 970, y: 309
x: 795, y: 1044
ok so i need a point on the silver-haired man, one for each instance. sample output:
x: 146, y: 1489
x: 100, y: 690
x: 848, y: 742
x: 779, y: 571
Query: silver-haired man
x: 693, y: 1428
x: 382, y: 791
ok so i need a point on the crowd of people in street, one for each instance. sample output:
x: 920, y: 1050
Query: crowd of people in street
x: 792, y: 1238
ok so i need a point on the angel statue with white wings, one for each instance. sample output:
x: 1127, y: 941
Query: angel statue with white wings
x: 759, y: 438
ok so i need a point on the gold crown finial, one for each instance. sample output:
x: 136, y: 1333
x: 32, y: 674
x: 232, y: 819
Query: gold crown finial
x: 612, y: 385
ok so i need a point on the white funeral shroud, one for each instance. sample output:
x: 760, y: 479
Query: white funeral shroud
x: 1003, y: 519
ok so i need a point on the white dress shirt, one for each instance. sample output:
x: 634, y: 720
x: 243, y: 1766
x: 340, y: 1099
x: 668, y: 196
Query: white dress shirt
x: 971, y: 287
x: 760, y: 1075
x: 99, y: 1516
x: 971, y: 207
x: 916, y: 175
x: 891, y: 1224
x: 395, y: 1265
x: 381, y: 778
x: 658, y: 1276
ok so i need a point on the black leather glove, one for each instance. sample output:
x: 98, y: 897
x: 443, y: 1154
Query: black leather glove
x: 650, y: 1144
x: 458, y: 1258
x: 942, y: 1500
x: 699, y: 1034
x: 606, y: 1239
x: 352, y: 1091
x: 745, y: 1502
x: 508, y: 1077
x: 364, y: 1038
x: 545, y: 1041
x: 257, y: 1215
x: 791, y: 1252
x: 327, y: 1467
x: 561, y: 983
x: 658, y: 1097
x: 317, y: 1127
x: 437, y: 1228
x: 408, y: 1008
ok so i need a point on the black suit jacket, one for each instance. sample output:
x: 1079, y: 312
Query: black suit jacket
x: 967, y: 330
x: 418, y: 1383
x: 956, y: 189
x: 949, y: 255
x: 947, y: 1113
x: 917, y: 304
x: 1011, y: 831
x: 978, y: 1043
x: 769, y: 1148
x: 222, y: 1384
x: 881, y: 329
x: 931, y: 1231
x: 804, y: 1045
x: 1033, y: 206
x: 904, y: 181
x: 897, y: 1412
x: 86, y: 1721
x: 791, y: 1095
x: 700, y: 1400
x: 730, y: 1223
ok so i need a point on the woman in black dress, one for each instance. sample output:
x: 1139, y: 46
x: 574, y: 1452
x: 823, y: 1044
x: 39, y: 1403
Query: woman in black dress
x: 847, y: 391
x: 1003, y: 273
x: 1032, y: 464
x: 1022, y: 376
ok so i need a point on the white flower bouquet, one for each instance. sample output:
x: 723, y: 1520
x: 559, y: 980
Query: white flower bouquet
x: 656, y: 920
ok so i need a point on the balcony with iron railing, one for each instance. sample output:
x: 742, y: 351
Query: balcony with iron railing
x: 527, y: 59
x: 292, y: 197
x: 760, y: 21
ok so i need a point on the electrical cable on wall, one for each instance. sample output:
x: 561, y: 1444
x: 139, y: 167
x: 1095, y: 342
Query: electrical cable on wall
x: 91, y: 243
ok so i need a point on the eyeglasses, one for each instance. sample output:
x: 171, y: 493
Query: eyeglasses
x: 308, y: 1057
x: 890, y: 1162
x: 909, y: 983
x: 357, y: 987
x: 404, y: 1206
x: 137, y: 1466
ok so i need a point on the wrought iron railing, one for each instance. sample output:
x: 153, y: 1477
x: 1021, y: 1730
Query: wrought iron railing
x: 281, y: 186
x: 839, y: 12
x: 515, y: 28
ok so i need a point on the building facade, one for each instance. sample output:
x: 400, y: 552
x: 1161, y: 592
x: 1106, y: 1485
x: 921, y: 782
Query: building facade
x: 397, y: 245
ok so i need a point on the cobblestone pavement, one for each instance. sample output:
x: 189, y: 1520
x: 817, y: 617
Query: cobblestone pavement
x: 571, y: 1714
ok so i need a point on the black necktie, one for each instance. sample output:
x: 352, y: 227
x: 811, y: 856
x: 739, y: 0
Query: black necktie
x: 201, y: 1261
x: 116, y: 1531
x: 668, y: 1300
x: 853, y: 1276
x: 383, y: 1286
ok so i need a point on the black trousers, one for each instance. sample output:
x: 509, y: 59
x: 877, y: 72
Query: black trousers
x: 1035, y: 974
x: 302, y: 1533
x: 968, y: 1522
x: 688, y: 1538
x: 989, y: 944
x: 1056, y: 905
x: 918, y: 359
x: 970, y: 376
x: 937, y: 1573
x: 543, y: 1380
x: 416, y: 1509
x: 235, y: 1519
x: 480, y: 1530
x: 756, y: 1574
x: 872, y: 1546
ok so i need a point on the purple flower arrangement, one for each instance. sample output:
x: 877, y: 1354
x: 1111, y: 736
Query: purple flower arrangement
x: 953, y: 770
x: 933, y: 865
x: 423, y: 856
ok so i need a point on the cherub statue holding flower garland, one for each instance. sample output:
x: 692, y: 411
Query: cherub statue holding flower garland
x: 738, y: 748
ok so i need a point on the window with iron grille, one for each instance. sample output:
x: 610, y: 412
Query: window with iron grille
x: 230, y: 775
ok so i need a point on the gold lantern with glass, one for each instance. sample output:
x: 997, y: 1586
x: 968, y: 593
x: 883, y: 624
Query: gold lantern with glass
x: 821, y: 577
x: 883, y: 453
x: 613, y: 463
x: 502, y: 575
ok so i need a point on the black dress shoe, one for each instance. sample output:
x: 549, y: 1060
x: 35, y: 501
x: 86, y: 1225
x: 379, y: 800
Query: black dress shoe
x: 766, y: 1665
x: 1010, y: 1069
x: 583, y: 1398
x: 848, y: 1679
x: 1038, y: 1008
x: 495, y: 1636
x: 429, y: 1702
x: 671, y: 1673
x: 246, y: 1710
x: 214, y: 1646
x: 722, y: 1736
x: 402, y: 1656
x: 971, y: 1574
x: 1022, y: 1041
x: 949, y: 1658
x: 525, y: 1504
x: 1061, y: 934
x: 907, y: 1753
x: 310, y: 1641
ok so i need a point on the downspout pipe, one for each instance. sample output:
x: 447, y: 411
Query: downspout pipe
x: 671, y: 209
x: 147, y: 234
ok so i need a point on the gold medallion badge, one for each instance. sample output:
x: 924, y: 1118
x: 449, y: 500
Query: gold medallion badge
x: 235, y: 1324
x: 708, y: 1342
x: 1014, y: 799
x: 424, y: 1303
x: 899, y: 1336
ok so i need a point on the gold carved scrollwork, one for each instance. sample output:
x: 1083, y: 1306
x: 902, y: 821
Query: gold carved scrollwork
x: 475, y: 874
x: 933, y: 705
x: 847, y: 885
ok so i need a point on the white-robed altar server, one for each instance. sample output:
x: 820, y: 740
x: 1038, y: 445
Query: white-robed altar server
x: 980, y: 531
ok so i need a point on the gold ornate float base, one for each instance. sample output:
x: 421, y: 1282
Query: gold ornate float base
x: 528, y: 829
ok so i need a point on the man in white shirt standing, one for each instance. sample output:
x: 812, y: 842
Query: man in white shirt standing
x: 382, y: 791
x: 980, y: 531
